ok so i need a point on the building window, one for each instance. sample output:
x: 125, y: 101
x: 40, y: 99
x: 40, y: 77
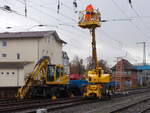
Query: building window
x: 18, y: 56
x: 4, y: 55
x: 4, y: 43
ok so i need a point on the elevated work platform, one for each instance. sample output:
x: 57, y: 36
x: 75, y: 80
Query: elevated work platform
x: 89, y: 24
x: 93, y: 20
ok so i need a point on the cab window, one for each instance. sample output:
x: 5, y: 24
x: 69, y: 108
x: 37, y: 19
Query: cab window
x: 51, y: 73
x: 58, y: 72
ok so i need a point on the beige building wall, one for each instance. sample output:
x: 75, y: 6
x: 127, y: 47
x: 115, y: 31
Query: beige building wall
x: 27, y: 69
x: 27, y: 48
x: 30, y: 50
x: 21, y: 77
x: 50, y: 47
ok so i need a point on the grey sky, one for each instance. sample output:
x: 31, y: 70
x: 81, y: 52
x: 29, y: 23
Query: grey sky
x: 115, y: 38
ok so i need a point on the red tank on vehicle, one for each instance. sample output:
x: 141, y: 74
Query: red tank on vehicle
x: 75, y: 77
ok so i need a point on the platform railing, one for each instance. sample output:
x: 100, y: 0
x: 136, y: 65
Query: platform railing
x: 95, y: 16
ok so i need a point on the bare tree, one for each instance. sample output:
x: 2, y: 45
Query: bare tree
x: 102, y: 63
x: 89, y: 64
x: 76, y: 66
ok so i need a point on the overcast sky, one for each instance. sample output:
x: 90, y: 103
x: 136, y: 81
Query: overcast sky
x: 114, y: 38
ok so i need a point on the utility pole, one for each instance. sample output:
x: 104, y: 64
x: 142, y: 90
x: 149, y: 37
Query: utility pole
x: 144, y: 61
x: 144, y: 51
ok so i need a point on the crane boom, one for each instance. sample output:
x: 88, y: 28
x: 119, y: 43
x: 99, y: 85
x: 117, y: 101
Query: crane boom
x: 91, y: 20
x: 94, y: 54
x: 39, y: 71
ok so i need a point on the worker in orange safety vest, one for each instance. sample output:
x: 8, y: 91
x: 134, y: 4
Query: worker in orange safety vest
x: 89, y: 10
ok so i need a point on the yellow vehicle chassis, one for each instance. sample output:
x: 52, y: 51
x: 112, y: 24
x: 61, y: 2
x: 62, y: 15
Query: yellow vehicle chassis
x: 93, y: 90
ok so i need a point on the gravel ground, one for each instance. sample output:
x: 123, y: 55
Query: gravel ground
x: 137, y: 108
x: 148, y: 111
x: 104, y: 106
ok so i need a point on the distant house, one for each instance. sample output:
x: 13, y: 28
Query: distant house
x: 65, y: 62
x: 125, y: 74
x: 19, y: 51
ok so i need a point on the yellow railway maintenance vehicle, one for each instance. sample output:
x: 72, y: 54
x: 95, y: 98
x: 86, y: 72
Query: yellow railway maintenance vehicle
x: 46, y: 80
x: 90, y: 19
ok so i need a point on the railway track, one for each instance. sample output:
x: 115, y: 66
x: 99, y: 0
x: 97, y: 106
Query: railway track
x: 49, y: 105
x: 142, y: 106
x: 31, y: 105
x: 146, y: 110
x: 115, y: 104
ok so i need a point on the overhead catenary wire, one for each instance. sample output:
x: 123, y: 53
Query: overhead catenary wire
x: 139, y: 17
x: 69, y: 25
x: 64, y: 24
x: 110, y: 37
x: 33, y: 19
x: 9, y: 10
x: 68, y: 17
x: 135, y: 17
x: 43, y: 12
x: 59, y: 24
x: 39, y: 23
x: 59, y: 13
x: 75, y: 20
x: 46, y: 25
x: 54, y: 10
x: 115, y: 20
x: 49, y: 15
x: 58, y: 6
x: 25, y: 9
x: 109, y: 20
x: 120, y: 9
x: 130, y: 2
x: 128, y: 56
x: 145, y: 35
x: 122, y: 19
x: 121, y: 44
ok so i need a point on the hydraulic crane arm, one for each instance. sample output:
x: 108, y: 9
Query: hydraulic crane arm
x: 94, y: 54
x: 39, y: 72
x: 91, y: 20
